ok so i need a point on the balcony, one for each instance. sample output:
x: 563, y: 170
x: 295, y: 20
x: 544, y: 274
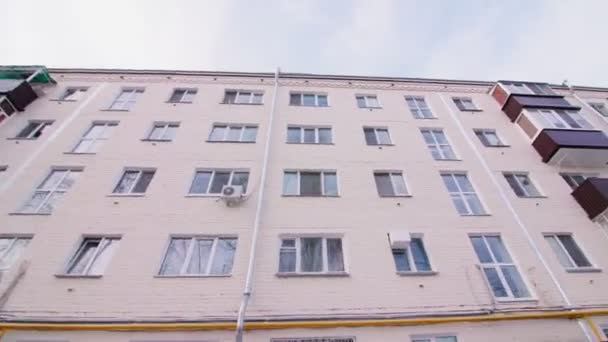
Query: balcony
x: 585, y: 148
x: 592, y: 195
x: 20, y: 86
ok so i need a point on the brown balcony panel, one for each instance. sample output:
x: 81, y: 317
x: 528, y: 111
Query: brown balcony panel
x: 19, y: 92
x: 592, y: 195
x: 572, y: 147
x: 516, y: 103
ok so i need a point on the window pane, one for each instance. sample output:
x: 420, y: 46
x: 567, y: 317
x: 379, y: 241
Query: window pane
x: 447, y: 152
x: 234, y: 133
x: 312, y: 258
x: 310, y: 183
x: 243, y: 97
x: 498, y: 249
x: 84, y: 146
x: 177, y: 95
x: 525, y: 181
x: 492, y: 139
x: 325, y: 135
x: 370, y: 136
x: 250, y: 134
x: 383, y: 184
x: 294, y: 99
x: 53, y: 179
x: 361, y: 102
x: 494, y: 281
x: 515, y: 186
x: 241, y: 178
x: 170, y: 132
x: 322, y: 99
x: 229, y: 96
x: 460, y: 205
x: 219, y: 180
x: 481, y: 250
x: 104, y: 254
x: 419, y: 253
x: 446, y: 339
x: 401, y: 262
x: 335, y: 259
x: 14, y: 253
x: 31, y: 206
x: 287, y: 260
x: 217, y: 133
x: 309, y: 135
x: 50, y: 202
x: 309, y: 99
x: 68, y: 180
x: 224, y: 256
x: 290, y: 183
x: 28, y: 130
x: 157, y: 132
x: 189, y: 96
x: 293, y: 134
x: 559, y: 251
x: 200, y: 256
x: 372, y: 101
x: 464, y: 183
x: 398, y: 184
x: 83, y: 256
x: 126, y: 182
x: 143, y: 182
x: 257, y: 98
x: 474, y: 204
x: 450, y: 183
x: 175, y: 257
x: 515, y: 282
x: 200, y: 182
x: 575, y: 252
x: 383, y: 136
x: 330, y: 183
x: 482, y: 138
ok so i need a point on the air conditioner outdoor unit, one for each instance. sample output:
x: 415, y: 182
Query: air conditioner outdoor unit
x: 232, y: 194
x: 399, y: 239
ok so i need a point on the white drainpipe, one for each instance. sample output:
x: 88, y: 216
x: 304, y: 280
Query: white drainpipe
x: 258, y: 213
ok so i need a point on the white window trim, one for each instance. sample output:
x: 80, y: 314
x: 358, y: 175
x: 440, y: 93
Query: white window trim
x: 540, y: 123
x: 41, y: 124
x: 76, y: 251
x: 461, y: 193
x: 50, y: 191
x: 366, y: 100
x: 410, y: 258
x: 316, y: 94
x: 14, y: 238
x: 575, y: 268
x: 463, y: 100
x: 107, y: 126
x: 510, y: 298
x: 65, y: 90
x: 431, y: 337
x: 213, y: 172
x: 526, y: 89
x: 428, y: 105
x: 186, y: 91
x: 324, y: 252
x: 521, y: 187
x: 437, y: 145
x: 322, y: 175
x: 133, y: 91
x: 238, y: 93
x: 316, y: 128
x: 485, y: 131
x: 186, y: 262
x: 591, y: 102
x: 130, y: 193
x: 242, y: 127
x: 164, y: 125
x: 400, y: 173
x: 376, y: 129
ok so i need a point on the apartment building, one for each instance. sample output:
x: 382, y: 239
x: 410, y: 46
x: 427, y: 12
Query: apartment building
x: 179, y: 206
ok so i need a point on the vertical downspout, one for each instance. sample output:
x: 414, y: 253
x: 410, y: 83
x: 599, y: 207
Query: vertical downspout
x: 258, y: 213
x: 520, y: 223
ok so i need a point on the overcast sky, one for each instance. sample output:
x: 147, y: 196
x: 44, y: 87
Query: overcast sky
x: 538, y: 40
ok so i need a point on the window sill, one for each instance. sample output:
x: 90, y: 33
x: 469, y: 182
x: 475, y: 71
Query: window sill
x: 297, y: 143
x: 515, y: 300
x: 115, y: 110
x: 380, y: 145
x: 60, y: 100
x: 21, y: 139
x: 416, y: 273
x: 81, y: 153
x: 312, y: 196
x: 297, y: 275
x: 159, y: 276
x: 126, y: 195
x: 29, y: 214
x: 157, y: 140
x: 433, y: 118
x: 229, y: 142
x: 448, y: 160
x: 471, y: 110
x: 78, y: 276
x: 396, y: 196
x: 208, y: 195
x: 497, y: 146
x: 370, y: 107
x: 242, y: 104
x: 532, y: 197
x: 179, y: 102
x: 291, y: 105
x: 474, y: 215
x: 584, y: 270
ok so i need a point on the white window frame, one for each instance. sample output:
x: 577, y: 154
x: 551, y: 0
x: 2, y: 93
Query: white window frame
x: 603, y: 113
x: 391, y: 174
x: 130, y: 192
x: 524, y: 88
x: 462, y: 194
x: 50, y: 191
x: 324, y: 253
x: 497, y: 267
x: 107, y: 126
x: 298, y: 181
x: 164, y: 125
x: 366, y: 99
x: 213, y: 172
x: 40, y: 125
x: 238, y: 93
x: 187, y: 91
x: 416, y: 99
x: 549, y: 118
x: 410, y: 257
x: 522, y: 188
x: 77, y: 90
x: 571, y: 175
x: 437, y: 130
x: 11, y: 245
x: 129, y: 102
x: 302, y: 128
x: 485, y: 132
x: 432, y: 337
x: 302, y: 93
x: 377, y: 137
x: 81, y: 244
x: 212, y: 255
x: 464, y: 100
x: 229, y: 126
x: 574, y: 268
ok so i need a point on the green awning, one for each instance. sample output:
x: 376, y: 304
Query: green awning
x: 32, y: 73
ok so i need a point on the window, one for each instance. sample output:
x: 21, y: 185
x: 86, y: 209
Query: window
x: 463, y: 194
x: 308, y: 99
x: 126, y: 99
x: 211, y: 182
x: 390, y: 184
x: 600, y: 108
x: 33, y: 130
x: 435, y: 338
x: 73, y: 93
x: 11, y: 249
x: 557, y: 118
x: 182, y: 95
x: 92, y: 256
x: 163, y: 131
x: 500, y: 271
x: 309, y: 135
x: 311, y: 255
x: 376, y: 136
x: 3, y: 169
x: 568, y: 252
x: 94, y: 137
x: 419, y: 108
x: 367, y: 101
x: 438, y: 144
x: 243, y: 97
x: 575, y: 179
x: 528, y: 88
x: 413, y: 258
x: 465, y: 104
x: 314, y: 339
x: 200, y: 256
x: 54, y: 186
x: 233, y: 133
x: 489, y: 138
x: 134, y: 181
x: 521, y: 185
x: 310, y: 183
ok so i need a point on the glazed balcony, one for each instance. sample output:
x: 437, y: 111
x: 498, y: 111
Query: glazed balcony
x: 592, y: 195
